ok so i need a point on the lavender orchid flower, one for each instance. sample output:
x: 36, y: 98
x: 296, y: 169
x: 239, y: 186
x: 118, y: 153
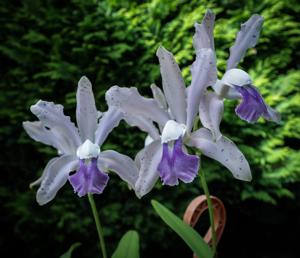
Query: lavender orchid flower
x: 78, y: 148
x: 175, y: 110
x: 237, y: 84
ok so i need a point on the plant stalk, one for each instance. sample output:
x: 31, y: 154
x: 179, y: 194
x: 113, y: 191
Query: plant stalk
x: 98, y: 225
x: 210, y: 210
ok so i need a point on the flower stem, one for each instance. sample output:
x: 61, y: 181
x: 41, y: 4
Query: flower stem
x: 98, y: 225
x: 210, y: 210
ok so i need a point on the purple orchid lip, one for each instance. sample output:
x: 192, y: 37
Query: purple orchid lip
x: 177, y: 165
x: 253, y: 106
x: 88, y: 178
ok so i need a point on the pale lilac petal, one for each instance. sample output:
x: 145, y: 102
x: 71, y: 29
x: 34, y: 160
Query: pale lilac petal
x: 110, y: 119
x: 173, y: 84
x: 121, y: 164
x: 54, y: 120
x: 204, y: 35
x: 175, y: 165
x: 86, y: 112
x: 147, y: 161
x: 223, y: 151
x: 159, y: 96
x: 211, y: 111
x: 88, y: 179
x: 39, y: 133
x: 204, y: 74
x: 55, y: 176
x: 129, y: 101
x: 144, y: 124
x: 253, y: 106
x: 246, y: 38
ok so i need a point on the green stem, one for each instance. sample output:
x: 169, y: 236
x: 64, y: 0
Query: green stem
x: 210, y: 210
x: 98, y: 225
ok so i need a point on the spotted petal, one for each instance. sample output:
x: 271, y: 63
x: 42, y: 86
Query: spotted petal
x: 173, y: 84
x: 86, y: 112
x: 211, y: 110
x: 55, y: 176
x: 204, y: 74
x: 53, y: 118
x: 177, y: 165
x: 223, y: 151
x: 246, y: 38
x: 129, y: 101
x: 147, y: 161
x: 121, y: 164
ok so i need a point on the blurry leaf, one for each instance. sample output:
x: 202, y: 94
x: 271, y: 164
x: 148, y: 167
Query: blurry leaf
x: 68, y: 254
x: 187, y: 233
x: 128, y: 246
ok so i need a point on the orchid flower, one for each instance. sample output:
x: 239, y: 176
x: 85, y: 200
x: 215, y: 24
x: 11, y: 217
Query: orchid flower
x: 237, y: 84
x: 78, y: 148
x: 174, y: 110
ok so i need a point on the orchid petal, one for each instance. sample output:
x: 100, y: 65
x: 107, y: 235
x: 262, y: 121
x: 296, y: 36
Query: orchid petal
x: 246, y: 38
x: 54, y: 120
x: 55, y: 176
x: 110, y: 119
x: 144, y: 124
x: 148, y: 160
x: 204, y: 73
x: 204, y: 36
x: 129, y: 101
x: 253, y: 106
x: 159, y: 96
x: 211, y: 111
x: 173, y: 84
x: 86, y: 112
x: 88, y: 179
x: 223, y: 151
x: 121, y: 164
x: 39, y: 133
x: 231, y: 92
x: 177, y: 165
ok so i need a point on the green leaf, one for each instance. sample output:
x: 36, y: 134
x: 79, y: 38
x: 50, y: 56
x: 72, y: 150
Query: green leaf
x: 68, y: 254
x: 187, y: 233
x: 128, y: 246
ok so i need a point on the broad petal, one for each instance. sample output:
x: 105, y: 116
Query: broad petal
x: 55, y: 176
x: 86, y: 112
x: 223, y: 151
x: 173, y: 84
x: 144, y: 124
x: 159, y: 96
x: 211, y: 111
x: 54, y: 120
x: 88, y: 179
x: 246, y: 38
x: 253, y: 106
x: 147, y: 161
x: 121, y: 164
x: 204, y: 74
x: 39, y: 133
x: 129, y: 101
x: 110, y: 119
x: 204, y: 35
x: 177, y: 165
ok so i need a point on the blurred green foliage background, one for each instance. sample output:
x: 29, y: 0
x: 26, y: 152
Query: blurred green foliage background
x: 46, y: 46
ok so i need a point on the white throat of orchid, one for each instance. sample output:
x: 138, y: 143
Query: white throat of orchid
x: 88, y: 150
x: 172, y: 131
x: 236, y: 77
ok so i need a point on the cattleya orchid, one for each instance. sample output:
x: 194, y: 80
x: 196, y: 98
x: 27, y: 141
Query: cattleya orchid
x: 78, y: 148
x: 175, y: 110
x: 236, y: 83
